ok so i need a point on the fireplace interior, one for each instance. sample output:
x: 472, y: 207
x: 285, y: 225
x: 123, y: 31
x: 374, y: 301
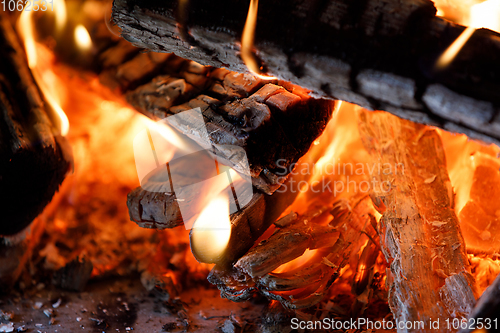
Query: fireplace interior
x: 369, y: 191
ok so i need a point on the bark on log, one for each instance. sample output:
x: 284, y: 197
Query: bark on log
x: 32, y: 165
x: 377, y: 54
x: 419, y: 231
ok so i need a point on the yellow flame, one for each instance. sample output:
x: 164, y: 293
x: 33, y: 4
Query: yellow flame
x: 483, y: 15
x: 168, y: 134
x: 82, y: 37
x: 247, y: 40
x: 297, y: 262
x: 25, y: 27
x: 451, y: 52
x: 60, y: 14
x: 212, y: 230
x: 486, y: 15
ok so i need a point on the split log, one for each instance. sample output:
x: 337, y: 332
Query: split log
x: 377, y: 54
x: 274, y: 122
x: 32, y: 165
x: 419, y: 230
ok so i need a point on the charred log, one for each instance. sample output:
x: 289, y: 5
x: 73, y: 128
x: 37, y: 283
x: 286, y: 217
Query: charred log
x: 32, y: 165
x: 419, y: 230
x: 161, y: 210
x: 308, y: 284
x: 274, y: 122
x: 377, y: 55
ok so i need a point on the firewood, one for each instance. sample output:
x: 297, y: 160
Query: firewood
x: 32, y: 162
x: 308, y: 284
x: 160, y: 210
x: 419, y: 231
x: 274, y: 122
x: 380, y: 55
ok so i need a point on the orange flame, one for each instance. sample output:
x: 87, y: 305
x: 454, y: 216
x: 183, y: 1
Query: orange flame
x: 42, y: 76
x: 212, y: 230
x: 247, y: 40
x: 482, y: 15
x: 82, y: 38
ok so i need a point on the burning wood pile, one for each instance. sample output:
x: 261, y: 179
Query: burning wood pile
x: 348, y: 214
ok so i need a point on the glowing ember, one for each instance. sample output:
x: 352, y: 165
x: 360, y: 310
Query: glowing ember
x: 338, y: 155
x: 247, y: 40
x: 211, y: 231
x: 296, y: 263
x: 82, y: 37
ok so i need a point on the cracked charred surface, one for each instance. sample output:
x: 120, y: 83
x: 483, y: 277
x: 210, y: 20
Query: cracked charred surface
x: 377, y: 54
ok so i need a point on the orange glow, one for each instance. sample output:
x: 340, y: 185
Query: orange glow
x: 451, y: 52
x: 211, y: 231
x: 297, y: 262
x: 43, y: 76
x: 60, y: 14
x: 82, y: 38
x: 473, y: 169
x: 481, y: 15
x: 247, y: 40
x: 105, y: 172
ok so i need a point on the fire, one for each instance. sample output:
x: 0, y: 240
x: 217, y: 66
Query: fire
x: 211, y: 231
x: 82, y: 38
x: 247, y: 40
x: 482, y: 15
x: 451, y: 52
x: 43, y: 75
x: 297, y: 262
x: 60, y: 14
x: 105, y: 163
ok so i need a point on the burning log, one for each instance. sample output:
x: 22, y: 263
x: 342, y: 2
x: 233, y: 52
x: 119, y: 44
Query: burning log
x: 379, y: 56
x: 307, y: 284
x: 419, y: 231
x: 32, y: 162
x: 275, y: 122
x: 161, y: 210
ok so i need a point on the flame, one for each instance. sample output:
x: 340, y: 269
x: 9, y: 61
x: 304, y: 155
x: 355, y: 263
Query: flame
x: 25, y: 26
x: 482, y: 15
x: 297, y: 262
x: 168, y: 134
x: 82, y: 38
x: 212, y: 230
x: 451, y: 52
x: 247, y: 40
x: 60, y: 14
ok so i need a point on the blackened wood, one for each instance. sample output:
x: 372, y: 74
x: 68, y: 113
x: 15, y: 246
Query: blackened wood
x: 419, y: 231
x: 160, y: 210
x: 32, y: 165
x: 379, y: 55
x: 274, y: 122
